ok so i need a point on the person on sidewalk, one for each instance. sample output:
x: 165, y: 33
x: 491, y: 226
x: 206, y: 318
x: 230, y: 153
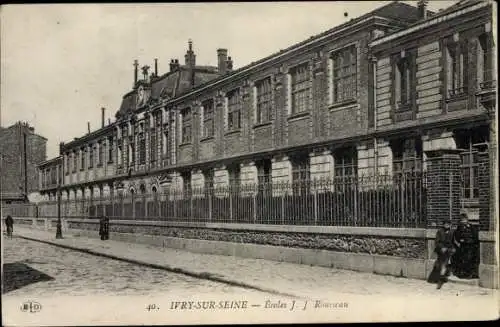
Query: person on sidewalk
x: 9, y: 223
x: 104, y: 228
x: 464, y: 262
x: 444, y: 249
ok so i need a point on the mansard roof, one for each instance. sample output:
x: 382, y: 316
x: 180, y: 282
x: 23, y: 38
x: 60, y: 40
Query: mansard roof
x: 169, y: 85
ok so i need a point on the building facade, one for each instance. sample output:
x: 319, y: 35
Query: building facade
x: 435, y: 89
x: 21, y: 149
x: 370, y: 97
x: 300, y: 114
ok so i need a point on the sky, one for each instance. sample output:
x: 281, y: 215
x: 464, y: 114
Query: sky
x: 61, y: 63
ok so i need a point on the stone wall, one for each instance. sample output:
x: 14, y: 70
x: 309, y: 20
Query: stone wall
x: 406, y: 247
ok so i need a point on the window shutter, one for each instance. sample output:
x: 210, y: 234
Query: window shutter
x: 393, y: 84
x: 442, y: 74
x: 413, y: 80
x: 472, y: 48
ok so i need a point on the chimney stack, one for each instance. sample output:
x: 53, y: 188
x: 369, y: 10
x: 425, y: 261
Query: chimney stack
x: 136, y: 71
x: 222, y: 61
x: 229, y: 64
x: 190, y: 57
x: 156, y: 67
x: 88, y: 127
x: 174, y: 65
x: 422, y: 9
x: 109, y: 121
x: 102, y: 116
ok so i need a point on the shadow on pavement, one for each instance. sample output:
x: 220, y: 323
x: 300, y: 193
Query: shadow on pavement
x: 17, y: 275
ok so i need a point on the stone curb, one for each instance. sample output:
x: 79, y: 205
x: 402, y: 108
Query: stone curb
x: 203, y: 275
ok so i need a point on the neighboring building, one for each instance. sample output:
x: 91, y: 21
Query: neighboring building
x: 20, y: 150
x: 435, y: 89
x: 349, y: 102
x: 50, y: 176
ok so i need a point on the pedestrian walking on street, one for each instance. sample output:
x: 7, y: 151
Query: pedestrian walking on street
x: 444, y: 249
x: 9, y: 223
x: 465, y: 260
x: 104, y: 228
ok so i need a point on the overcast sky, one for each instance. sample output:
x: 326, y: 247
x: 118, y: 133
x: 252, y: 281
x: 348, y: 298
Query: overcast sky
x: 61, y: 63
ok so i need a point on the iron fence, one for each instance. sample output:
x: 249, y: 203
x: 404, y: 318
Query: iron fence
x: 377, y: 201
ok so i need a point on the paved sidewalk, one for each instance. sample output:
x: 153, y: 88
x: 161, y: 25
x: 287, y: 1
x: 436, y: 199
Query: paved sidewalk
x: 279, y: 277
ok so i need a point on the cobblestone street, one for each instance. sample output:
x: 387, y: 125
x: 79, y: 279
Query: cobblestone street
x: 62, y: 273
x: 69, y: 272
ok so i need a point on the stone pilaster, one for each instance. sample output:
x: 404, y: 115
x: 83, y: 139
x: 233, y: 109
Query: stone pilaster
x: 221, y: 181
x: 249, y: 178
x: 281, y: 173
x: 384, y: 157
x: 322, y: 164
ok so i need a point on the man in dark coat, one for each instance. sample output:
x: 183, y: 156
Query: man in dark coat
x: 9, y: 223
x: 466, y: 240
x: 444, y: 249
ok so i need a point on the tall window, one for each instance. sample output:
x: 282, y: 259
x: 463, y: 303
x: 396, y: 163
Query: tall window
x: 91, y: 156
x: 403, y: 83
x: 233, y: 110
x: 264, y: 168
x: 142, y: 149
x: 301, y: 168
x: 407, y: 155
x: 68, y: 158
x: 120, y: 153
x: 153, y: 148
x: 75, y: 161
x: 100, y: 153
x: 82, y: 158
x: 209, y: 179
x: 456, y: 66
x: 132, y: 152
x: 300, y: 88
x: 110, y: 149
x: 486, y: 73
x: 165, y: 144
x: 186, y: 125
x: 264, y: 111
x: 344, y: 75
x: 301, y: 174
x: 208, y: 118
x: 346, y: 164
x: 234, y: 177
x: 471, y: 142
x: 186, y: 182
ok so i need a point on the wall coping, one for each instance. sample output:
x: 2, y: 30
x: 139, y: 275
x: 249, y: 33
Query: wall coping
x: 488, y: 236
x: 339, y: 230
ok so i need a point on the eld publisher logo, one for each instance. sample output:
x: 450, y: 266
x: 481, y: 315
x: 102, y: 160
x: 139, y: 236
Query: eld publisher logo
x: 31, y: 306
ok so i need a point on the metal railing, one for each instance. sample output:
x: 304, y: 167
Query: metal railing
x: 377, y: 201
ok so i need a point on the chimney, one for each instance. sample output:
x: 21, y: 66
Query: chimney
x: 109, y: 121
x: 136, y: 71
x: 190, y: 57
x: 174, y: 65
x: 422, y: 8
x: 88, y: 127
x: 156, y: 67
x: 222, y: 60
x: 102, y: 116
x: 229, y: 64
